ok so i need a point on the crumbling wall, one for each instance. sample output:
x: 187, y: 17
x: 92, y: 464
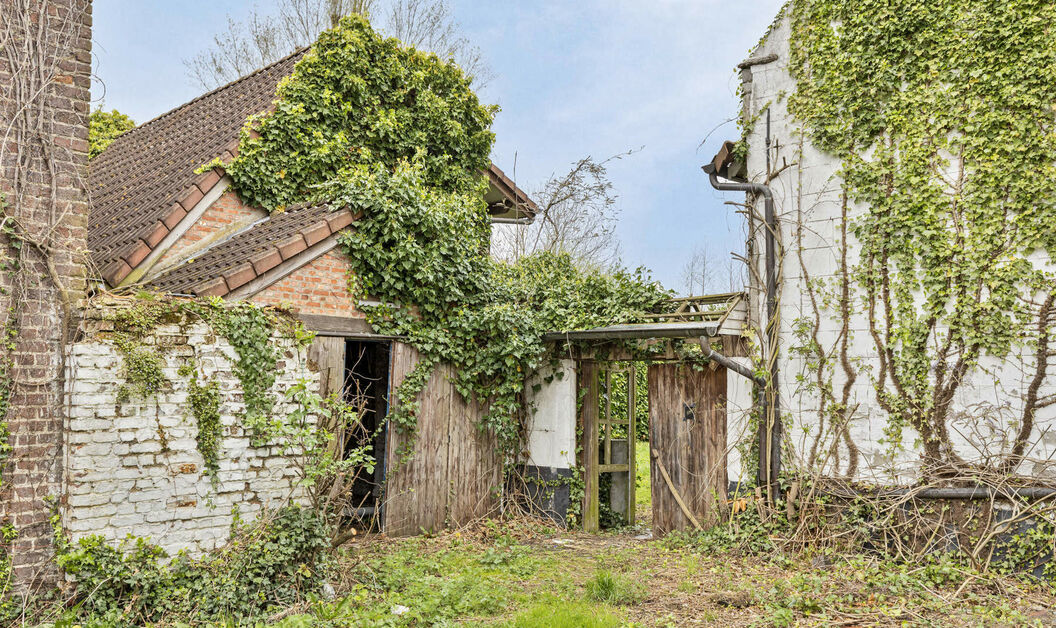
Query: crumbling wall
x: 134, y: 467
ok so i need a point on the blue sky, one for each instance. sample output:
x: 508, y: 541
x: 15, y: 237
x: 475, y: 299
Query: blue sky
x: 573, y: 78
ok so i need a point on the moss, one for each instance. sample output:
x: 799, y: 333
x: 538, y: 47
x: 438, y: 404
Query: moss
x: 142, y: 371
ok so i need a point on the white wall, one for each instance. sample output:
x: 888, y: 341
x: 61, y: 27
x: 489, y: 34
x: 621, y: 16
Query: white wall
x: 134, y: 468
x: 808, y: 203
x: 552, y: 432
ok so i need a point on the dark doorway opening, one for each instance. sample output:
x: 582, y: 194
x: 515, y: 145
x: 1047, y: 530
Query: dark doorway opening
x: 367, y: 390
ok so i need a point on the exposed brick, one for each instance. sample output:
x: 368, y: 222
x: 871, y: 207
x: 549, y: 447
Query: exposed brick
x: 36, y: 412
x: 318, y: 287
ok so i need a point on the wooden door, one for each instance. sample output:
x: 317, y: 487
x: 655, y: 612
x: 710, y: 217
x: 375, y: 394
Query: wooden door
x: 448, y: 472
x: 687, y: 439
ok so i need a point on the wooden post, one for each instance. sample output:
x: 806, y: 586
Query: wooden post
x: 632, y: 450
x: 588, y: 372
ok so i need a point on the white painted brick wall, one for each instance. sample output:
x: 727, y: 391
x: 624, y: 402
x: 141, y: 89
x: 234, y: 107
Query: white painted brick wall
x: 809, y: 193
x: 121, y: 479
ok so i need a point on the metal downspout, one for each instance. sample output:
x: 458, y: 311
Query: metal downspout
x: 769, y: 439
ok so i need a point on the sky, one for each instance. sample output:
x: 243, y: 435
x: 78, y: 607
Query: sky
x: 572, y: 77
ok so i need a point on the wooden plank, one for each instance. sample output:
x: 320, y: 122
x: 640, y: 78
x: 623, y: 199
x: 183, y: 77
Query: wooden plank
x: 609, y: 468
x: 588, y: 380
x: 343, y: 326
x: 454, y: 471
x: 328, y: 355
x: 688, y: 431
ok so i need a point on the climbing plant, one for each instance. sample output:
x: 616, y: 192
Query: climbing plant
x: 399, y: 137
x: 942, y: 115
x: 104, y: 127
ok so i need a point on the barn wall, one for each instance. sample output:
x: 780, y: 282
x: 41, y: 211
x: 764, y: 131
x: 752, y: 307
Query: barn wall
x: 319, y: 287
x: 134, y: 467
x: 808, y: 202
x: 448, y: 472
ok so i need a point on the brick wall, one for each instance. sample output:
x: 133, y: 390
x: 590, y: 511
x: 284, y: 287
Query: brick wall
x: 223, y: 218
x: 134, y: 467
x: 44, y: 96
x: 319, y: 287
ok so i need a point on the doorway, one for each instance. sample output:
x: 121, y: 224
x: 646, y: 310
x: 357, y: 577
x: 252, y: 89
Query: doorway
x: 366, y: 390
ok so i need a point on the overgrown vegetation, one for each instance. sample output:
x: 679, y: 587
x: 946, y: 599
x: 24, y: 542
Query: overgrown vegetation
x: 941, y: 150
x: 104, y: 127
x: 269, y: 564
x: 205, y: 406
x: 399, y: 136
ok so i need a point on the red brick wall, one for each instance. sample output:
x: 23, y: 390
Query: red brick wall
x: 43, y: 168
x: 319, y: 287
x: 224, y: 217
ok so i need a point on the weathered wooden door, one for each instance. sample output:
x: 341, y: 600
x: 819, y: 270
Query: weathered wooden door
x: 687, y: 438
x: 448, y: 472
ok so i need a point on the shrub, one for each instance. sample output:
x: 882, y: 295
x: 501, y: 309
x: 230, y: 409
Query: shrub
x: 270, y: 563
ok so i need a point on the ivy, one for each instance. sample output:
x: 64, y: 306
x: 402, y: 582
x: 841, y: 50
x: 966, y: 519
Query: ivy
x: 104, y: 127
x: 399, y: 137
x: 205, y: 406
x: 271, y: 563
x: 249, y: 328
x: 942, y: 115
x: 142, y: 370
x: 358, y: 98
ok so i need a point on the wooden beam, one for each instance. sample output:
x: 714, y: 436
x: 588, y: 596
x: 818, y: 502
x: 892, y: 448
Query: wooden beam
x: 342, y: 326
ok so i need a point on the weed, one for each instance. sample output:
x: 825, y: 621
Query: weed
x: 612, y: 588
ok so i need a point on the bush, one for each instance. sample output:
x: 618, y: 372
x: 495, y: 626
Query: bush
x: 270, y: 563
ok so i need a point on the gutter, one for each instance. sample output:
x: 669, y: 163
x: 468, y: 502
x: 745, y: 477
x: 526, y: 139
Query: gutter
x: 769, y: 431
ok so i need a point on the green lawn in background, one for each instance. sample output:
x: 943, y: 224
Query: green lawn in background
x: 643, y: 498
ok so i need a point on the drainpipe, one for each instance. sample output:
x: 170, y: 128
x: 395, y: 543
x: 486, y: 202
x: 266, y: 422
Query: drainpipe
x: 769, y: 435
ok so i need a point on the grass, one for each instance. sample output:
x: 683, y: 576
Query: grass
x: 515, y: 575
x: 643, y: 498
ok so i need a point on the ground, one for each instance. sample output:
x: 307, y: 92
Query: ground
x: 529, y: 574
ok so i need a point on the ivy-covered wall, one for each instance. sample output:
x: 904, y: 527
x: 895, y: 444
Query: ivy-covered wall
x: 914, y: 332
x: 158, y: 444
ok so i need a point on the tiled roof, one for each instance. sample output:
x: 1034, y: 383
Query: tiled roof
x: 259, y: 248
x: 144, y: 183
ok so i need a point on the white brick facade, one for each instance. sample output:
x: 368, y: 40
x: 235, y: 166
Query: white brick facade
x: 134, y: 468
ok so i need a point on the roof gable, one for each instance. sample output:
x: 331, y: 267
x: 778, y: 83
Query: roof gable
x: 144, y: 183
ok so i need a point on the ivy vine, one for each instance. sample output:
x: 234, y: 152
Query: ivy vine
x: 399, y: 137
x: 942, y: 115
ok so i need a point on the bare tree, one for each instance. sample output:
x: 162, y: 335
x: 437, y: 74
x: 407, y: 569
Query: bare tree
x: 577, y: 216
x: 704, y: 273
x: 262, y: 38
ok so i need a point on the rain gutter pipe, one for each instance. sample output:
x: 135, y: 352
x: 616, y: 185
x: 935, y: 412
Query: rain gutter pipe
x: 769, y: 433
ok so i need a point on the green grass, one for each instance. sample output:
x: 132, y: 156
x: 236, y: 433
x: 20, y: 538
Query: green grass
x: 643, y: 498
x: 612, y: 588
x: 557, y: 613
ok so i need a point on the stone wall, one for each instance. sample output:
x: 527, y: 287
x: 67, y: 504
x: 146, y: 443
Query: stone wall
x: 134, y: 467
x: 811, y: 228
x: 44, y: 94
